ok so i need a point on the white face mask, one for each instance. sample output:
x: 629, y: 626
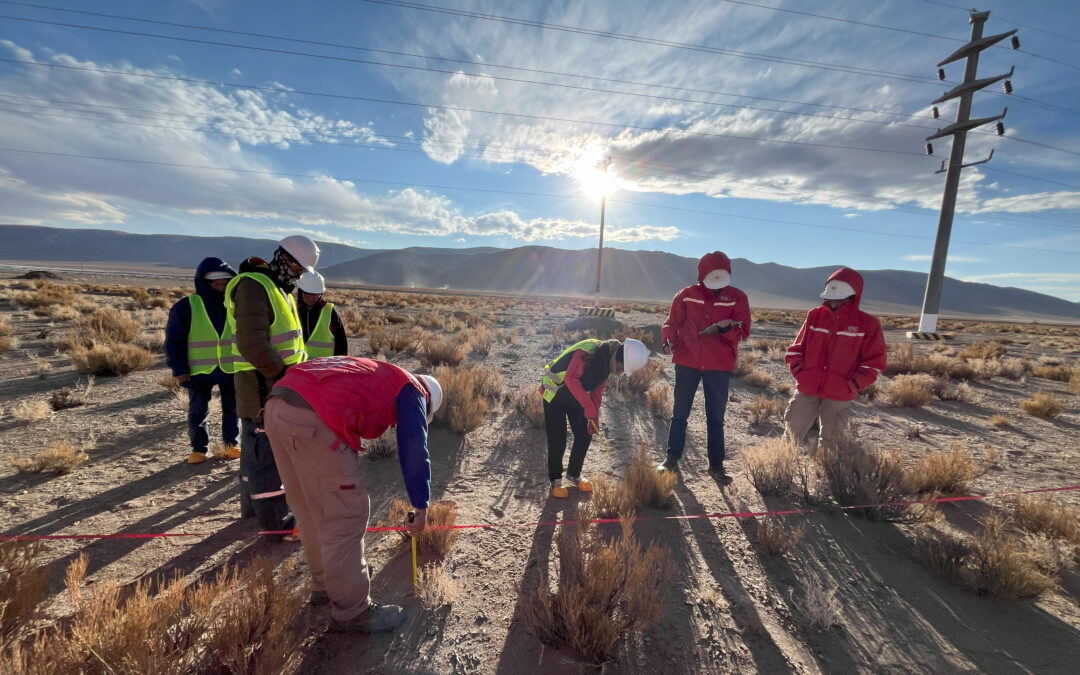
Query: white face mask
x: 717, y: 279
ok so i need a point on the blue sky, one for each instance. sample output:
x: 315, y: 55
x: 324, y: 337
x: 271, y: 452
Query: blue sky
x: 771, y: 135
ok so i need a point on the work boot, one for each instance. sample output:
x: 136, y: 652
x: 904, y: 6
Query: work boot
x: 558, y: 489
x: 234, y: 452
x: 374, y: 619
x: 318, y: 599
x: 669, y: 464
x: 582, y: 484
x: 196, y: 458
x: 720, y: 474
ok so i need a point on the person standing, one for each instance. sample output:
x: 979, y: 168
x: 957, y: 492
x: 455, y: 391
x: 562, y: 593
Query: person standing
x: 839, y: 351
x: 317, y: 417
x: 702, y: 334
x: 573, y: 389
x: 194, y: 352
x: 265, y: 340
x: 324, y: 334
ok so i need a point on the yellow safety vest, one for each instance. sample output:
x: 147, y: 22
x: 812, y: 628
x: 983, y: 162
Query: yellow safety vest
x: 554, y: 380
x: 204, y: 349
x: 321, y: 341
x: 286, y: 338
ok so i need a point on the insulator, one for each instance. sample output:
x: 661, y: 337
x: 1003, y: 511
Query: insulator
x: 934, y: 112
x: 1007, y: 86
x: 941, y: 73
x: 1014, y: 42
x: 929, y: 149
x: 1000, y: 129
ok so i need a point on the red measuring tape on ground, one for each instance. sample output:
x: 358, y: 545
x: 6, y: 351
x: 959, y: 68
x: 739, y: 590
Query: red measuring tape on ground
x: 554, y: 523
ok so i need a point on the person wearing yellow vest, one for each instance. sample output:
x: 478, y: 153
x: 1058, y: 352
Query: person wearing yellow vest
x: 324, y: 334
x: 573, y: 389
x: 264, y: 338
x: 193, y: 351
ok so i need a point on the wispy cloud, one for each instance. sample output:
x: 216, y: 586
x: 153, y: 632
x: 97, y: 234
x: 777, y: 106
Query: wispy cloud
x: 925, y: 257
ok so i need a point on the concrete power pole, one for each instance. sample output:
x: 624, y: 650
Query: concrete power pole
x: 596, y: 309
x: 958, y: 130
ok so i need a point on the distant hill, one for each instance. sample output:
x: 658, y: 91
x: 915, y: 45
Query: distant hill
x: 535, y: 270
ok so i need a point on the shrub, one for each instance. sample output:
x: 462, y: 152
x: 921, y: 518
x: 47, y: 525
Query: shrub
x: 771, y: 465
x: 819, y: 604
x: 1044, y: 406
x: 1040, y: 515
x: 111, y: 359
x: 777, y: 538
x: 1056, y: 373
x: 606, y: 589
x: 109, y: 325
x: 435, y: 586
x: 65, y: 398
x: 787, y: 389
x: 24, y: 578
x: 27, y: 412
x: 642, y: 486
x: 757, y: 377
x: 6, y: 340
x: 1074, y: 382
x: 659, y: 401
x: 858, y: 476
x: 59, y: 458
x: 47, y: 294
x: 465, y: 393
x: 910, y: 391
x: 434, y: 352
x: 391, y: 341
x: 949, y: 472
x: 530, y: 403
x: 641, y: 380
x: 382, y: 447
x: 437, y: 537
x: 744, y: 364
x: 763, y: 408
x: 993, y: 349
x: 963, y: 392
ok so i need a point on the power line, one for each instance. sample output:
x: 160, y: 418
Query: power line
x: 473, y: 189
x: 1022, y: 25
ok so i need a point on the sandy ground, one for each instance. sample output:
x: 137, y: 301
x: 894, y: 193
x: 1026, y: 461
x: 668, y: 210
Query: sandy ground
x: 730, y: 607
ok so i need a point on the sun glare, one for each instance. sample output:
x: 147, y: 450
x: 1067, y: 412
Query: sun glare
x: 594, y: 181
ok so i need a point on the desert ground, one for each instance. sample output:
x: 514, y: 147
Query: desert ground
x: 855, y: 594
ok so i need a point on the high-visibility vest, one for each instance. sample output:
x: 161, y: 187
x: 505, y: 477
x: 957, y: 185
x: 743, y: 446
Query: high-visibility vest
x: 554, y: 379
x: 204, y: 349
x: 286, y: 338
x: 321, y: 341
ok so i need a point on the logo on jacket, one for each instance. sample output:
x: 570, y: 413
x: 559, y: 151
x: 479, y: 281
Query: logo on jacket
x: 853, y: 329
x: 725, y: 298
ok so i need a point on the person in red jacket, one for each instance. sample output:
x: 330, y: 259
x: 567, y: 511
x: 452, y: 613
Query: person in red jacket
x: 317, y: 416
x: 839, y: 351
x: 702, y: 334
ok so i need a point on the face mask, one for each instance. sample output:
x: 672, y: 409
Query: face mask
x: 285, y: 276
x: 717, y: 279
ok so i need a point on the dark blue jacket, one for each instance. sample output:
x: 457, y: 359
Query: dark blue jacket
x: 176, y: 331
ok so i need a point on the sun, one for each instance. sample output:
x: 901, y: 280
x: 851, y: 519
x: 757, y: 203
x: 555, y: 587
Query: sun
x: 595, y: 181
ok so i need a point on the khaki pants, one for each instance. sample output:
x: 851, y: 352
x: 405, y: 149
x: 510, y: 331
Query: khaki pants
x: 802, y: 410
x: 328, y: 495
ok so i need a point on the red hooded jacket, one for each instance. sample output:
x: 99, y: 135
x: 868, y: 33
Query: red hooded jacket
x: 694, y: 309
x: 837, y: 354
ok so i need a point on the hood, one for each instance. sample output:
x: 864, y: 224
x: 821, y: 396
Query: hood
x: 850, y: 276
x: 712, y: 261
x: 205, y: 267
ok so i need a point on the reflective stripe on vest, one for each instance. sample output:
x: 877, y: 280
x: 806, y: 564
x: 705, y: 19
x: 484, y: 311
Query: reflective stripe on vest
x: 286, y: 338
x: 321, y: 341
x: 553, y: 380
x: 203, y: 341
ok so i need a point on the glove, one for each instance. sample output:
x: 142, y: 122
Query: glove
x: 592, y: 425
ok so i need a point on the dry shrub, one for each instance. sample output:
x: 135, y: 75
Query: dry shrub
x: 947, y: 473
x: 994, y: 349
x: 642, y: 486
x: 1041, y: 515
x: 530, y: 403
x: 763, y: 408
x: 466, y: 390
x: 999, y: 420
x: 391, y: 341
x: 435, y: 586
x: 744, y: 364
x: 819, y: 604
x: 903, y: 359
x: 23, y: 582
x: 1074, y: 382
x: 382, y: 447
x: 1044, y: 406
x: 109, y: 325
x: 27, y: 412
x: 1056, y: 373
x: 47, y: 294
x: 6, y: 340
x: 433, y: 352
x: 437, y: 537
x: 910, y: 391
x: 114, y: 358
x: 771, y: 465
x: 993, y: 562
x: 659, y: 401
x: 962, y: 392
x: 758, y: 378
x: 642, y: 379
x: 787, y: 389
x: 73, y: 397
x: 607, y: 588
x: 776, y: 537
x: 59, y: 458
x: 167, y: 381
x: 857, y: 476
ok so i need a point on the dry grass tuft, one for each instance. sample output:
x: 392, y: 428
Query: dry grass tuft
x: 744, y: 364
x: 441, y: 514
x: 997, y: 421
x: 642, y: 486
x: 635, y: 385
x: 6, y: 340
x: 1056, y: 373
x: 47, y: 294
x: 109, y: 325
x: 819, y: 604
x: 659, y: 401
x: 382, y: 447
x: 530, y: 403
x: 857, y: 476
x: 607, y: 588
x: 763, y: 408
x: 1074, y: 382
x: 992, y: 562
x: 1044, y: 406
x: 167, y: 381
x: 115, y: 358
x: 466, y: 390
x: 392, y: 341
x: 771, y: 465
x: 59, y: 458
x: 24, y: 578
x: 27, y: 412
x: 910, y: 391
x: 947, y: 473
x: 436, y: 587
x: 992, y: 349
x: 73, y: 397
x: 1040, y: 515
x: 433, y: 352
x: 776, y: 537
x: 757, y: 377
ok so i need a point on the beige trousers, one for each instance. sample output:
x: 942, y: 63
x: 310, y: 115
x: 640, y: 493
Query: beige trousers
x: 327, y: 492
x: 802, y: 410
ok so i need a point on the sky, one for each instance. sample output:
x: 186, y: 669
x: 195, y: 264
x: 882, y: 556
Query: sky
x: 773, y: 130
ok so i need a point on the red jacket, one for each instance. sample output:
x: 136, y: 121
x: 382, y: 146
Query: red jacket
x: 352, y: 407
x: 837, y: 354
x: 696, y: 308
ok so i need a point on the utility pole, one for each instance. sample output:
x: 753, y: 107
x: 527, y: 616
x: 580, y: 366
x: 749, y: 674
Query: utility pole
x: 600, y: 251
x: 958, y: 130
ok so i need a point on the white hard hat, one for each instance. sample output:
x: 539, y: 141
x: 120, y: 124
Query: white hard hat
x: 303, y: 249
x: 311, y: 282
x: 717, y: 279
x: 837, y: 290
x: 435, y: 389
x: 635, y: 355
